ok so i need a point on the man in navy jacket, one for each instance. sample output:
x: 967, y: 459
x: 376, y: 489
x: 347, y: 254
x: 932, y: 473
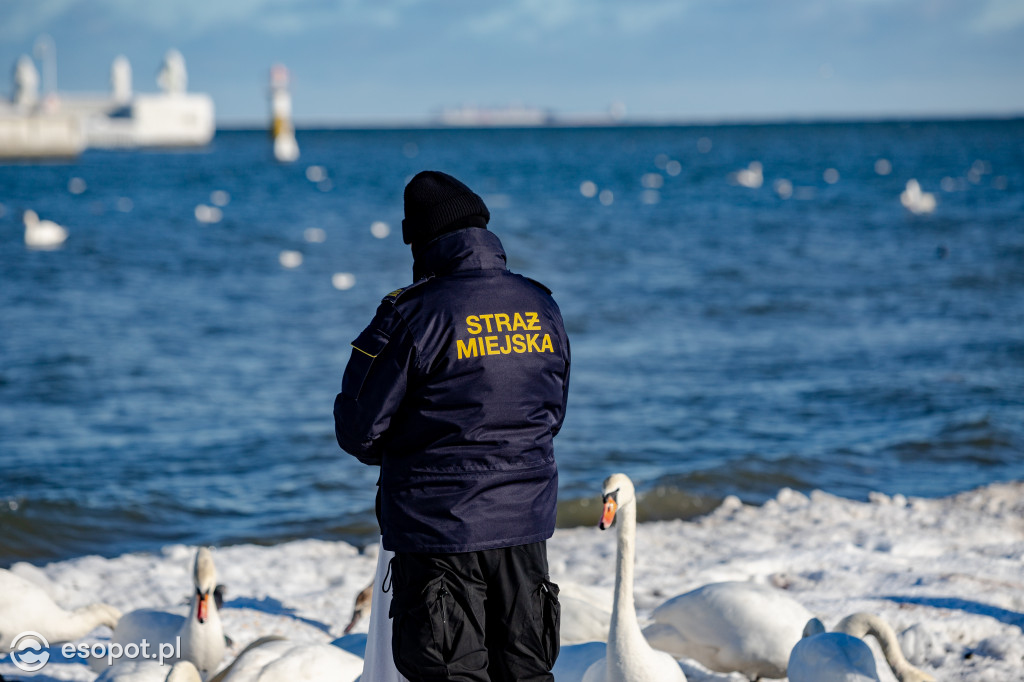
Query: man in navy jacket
x: 456, y: 389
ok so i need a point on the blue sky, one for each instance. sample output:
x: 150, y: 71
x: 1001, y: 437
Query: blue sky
x: 391, y: 60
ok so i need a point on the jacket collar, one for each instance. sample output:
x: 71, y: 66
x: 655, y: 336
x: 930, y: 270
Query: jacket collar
x: 470, y: 248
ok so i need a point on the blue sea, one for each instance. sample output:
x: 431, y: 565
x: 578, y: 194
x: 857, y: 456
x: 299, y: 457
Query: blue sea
x: 168, y: 380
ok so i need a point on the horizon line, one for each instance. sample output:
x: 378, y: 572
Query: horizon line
x: 589, y: 122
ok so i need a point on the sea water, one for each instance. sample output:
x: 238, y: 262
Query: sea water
x: 167, y: 375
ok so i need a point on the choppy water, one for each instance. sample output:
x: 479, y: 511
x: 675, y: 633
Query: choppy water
x: 164, y: 380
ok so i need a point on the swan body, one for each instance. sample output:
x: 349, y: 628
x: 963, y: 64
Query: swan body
x: 731, y: 626
x: 148, y: 670
x: 628, y: 657
x: 201, y: 632
x: 42, y: 234
x: 25, y: 606
x: 916, y: 201
x: 843, y: 656
x: 280, y: 660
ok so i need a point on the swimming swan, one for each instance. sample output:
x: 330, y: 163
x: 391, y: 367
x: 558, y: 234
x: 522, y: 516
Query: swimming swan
x: 42, y: 234
x: 629, y: 658
x: 916, y: 201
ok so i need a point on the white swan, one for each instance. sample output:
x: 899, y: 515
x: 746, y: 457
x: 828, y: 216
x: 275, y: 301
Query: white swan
x: 25, y: 606
x: 148, y: 670
x: 731, y: 626
x: 201, y: 632
x: 843, y: 656
x: 752, y: 176
x: 916, y: 201
x: 629, y: 658
x: 42, y: 234
x: 272, y: 659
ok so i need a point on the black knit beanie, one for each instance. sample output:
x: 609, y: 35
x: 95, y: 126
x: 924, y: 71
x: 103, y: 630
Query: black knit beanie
x: 436, y: 203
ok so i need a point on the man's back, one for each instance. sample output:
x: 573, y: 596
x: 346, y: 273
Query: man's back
x: 486, y: 395
x: 456, y: 389
x: 486, y: 362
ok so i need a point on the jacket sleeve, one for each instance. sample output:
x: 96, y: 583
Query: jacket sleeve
x: 565, y: 390
x: 373, y: 385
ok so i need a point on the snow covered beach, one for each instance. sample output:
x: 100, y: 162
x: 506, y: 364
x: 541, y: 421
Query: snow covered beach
x: 947, y: 573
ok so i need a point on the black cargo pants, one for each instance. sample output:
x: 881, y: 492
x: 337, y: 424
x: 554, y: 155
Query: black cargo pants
x: 487, y: 616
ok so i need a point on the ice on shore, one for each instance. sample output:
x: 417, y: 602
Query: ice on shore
x: 947, y: 573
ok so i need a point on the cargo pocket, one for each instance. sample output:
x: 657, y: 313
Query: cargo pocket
x: 365, y: 349
x: 551, y: 620
x: 418, y: 632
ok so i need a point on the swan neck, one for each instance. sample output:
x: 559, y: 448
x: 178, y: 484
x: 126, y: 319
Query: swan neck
x: 863, y: 624
x: 625, y: 627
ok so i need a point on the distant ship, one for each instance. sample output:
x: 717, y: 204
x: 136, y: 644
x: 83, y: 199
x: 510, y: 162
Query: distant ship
x: 520, y: 116
x: 64, y: 124
x: 515, y: 116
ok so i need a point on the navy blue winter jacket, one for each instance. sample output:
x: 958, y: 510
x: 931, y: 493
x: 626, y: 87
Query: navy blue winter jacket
x: 456, y: 389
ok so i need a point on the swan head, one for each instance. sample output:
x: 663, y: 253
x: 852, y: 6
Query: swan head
x: 205, y: 579
x: 30, y: 217
x: 617, y: 491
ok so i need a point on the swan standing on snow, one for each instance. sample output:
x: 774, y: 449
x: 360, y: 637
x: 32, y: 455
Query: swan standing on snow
x: 42, y: 234
x: 629, y: 658
x: 843, y: 656
x: 731, y: 626
x: 201, y: 632
x: 24, y: 606
x: 148, y: 670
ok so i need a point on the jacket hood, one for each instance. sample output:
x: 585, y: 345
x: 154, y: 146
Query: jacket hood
x: 467, y: 249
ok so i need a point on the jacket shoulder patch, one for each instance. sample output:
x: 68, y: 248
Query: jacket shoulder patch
x: 398, y: 293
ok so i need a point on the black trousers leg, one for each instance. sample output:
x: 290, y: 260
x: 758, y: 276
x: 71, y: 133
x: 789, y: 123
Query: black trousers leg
x: 522, y: 616
x: 488, y: 616
x: 438, y: 617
